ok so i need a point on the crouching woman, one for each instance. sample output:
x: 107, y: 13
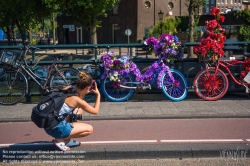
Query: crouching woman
x: 70, y: 128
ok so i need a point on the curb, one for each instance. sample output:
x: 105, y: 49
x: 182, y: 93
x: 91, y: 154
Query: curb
x: 135, y: 151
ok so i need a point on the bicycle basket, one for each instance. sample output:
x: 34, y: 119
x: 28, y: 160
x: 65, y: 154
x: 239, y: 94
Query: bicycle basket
x: 11, y: 58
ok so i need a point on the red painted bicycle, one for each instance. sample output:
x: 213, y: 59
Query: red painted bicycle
x: 211, y: 83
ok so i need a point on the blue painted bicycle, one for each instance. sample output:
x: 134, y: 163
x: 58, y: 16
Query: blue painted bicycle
x: 122, y: 77
x: 121, y: 88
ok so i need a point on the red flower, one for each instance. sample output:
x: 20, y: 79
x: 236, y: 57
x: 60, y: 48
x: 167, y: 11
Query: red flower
x: 215, y: 11
x: 212, y: 46
x: 222, y: 18
x: 210, y: 25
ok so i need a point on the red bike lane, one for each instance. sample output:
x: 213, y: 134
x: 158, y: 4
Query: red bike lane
x: 150, y: 131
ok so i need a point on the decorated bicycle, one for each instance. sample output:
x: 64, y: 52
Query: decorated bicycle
x: 211, y: 83
x: 122, y: 77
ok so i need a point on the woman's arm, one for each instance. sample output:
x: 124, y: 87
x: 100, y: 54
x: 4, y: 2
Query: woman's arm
x: 77, y: 102
x: 89, y: 108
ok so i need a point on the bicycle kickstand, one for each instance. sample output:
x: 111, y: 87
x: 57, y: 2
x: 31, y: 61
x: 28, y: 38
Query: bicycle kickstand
x: 247, y: 89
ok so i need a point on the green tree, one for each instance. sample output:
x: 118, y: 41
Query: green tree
x: 193, y: 10
x: 167, y: 26
x: 26, y: 15
x: 53, y: 6
x: 86, y: 12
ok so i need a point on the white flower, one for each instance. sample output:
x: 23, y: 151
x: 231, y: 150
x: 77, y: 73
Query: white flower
x: 115, y: 73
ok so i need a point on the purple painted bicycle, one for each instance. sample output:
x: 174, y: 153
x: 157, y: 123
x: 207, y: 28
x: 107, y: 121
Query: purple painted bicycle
x: 122, y: 77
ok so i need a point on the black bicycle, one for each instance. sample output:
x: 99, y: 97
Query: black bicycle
x: 15, y: 73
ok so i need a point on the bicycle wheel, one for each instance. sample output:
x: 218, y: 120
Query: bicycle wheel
x: 117, y: 94
x: 177, y: 90
x: 12, y: 86
x: 210, y: 87
x: 67, y: 76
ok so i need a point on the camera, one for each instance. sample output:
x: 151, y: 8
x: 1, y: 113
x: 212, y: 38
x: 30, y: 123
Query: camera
x: 92, y: 85
x: 75, y: 117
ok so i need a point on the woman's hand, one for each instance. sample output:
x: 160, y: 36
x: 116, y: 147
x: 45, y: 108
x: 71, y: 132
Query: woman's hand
x: 95, y: 89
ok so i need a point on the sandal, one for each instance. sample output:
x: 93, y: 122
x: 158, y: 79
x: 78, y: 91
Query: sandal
x: 73, y: 143
x: 61, y: 146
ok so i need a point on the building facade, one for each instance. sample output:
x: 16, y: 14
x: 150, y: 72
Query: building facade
x: 137, y: 16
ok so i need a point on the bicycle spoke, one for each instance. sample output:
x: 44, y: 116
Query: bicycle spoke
x: 12, y: 87
x: 117, y: 93
x: 210, y: 87
x: 65, y: 77
x: 176, y: 90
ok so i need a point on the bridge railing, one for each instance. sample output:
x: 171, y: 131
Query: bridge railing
x: 188, y: 66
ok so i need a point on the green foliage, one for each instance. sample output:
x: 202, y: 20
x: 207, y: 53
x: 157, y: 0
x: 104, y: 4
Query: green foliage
x: 244, y: 30
x: 34, y: 41
x: 85, y: 11
x: 167, y: 26
x: 24, y: 14
x: 183, y: 25
x: 244, y: 14
x: 244, y: 33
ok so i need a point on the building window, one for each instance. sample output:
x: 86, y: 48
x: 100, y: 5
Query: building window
x: 219, y: 1
x: 114, y: 32
x: 115, y: 9
x: 147, y: 4
x: 212, y: 2
x: 79, y: 34
x: 170, y: 5
x: 207, y: 10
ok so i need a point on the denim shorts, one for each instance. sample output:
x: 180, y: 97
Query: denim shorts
x: 61, y: 130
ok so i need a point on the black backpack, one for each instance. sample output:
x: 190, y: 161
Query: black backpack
x: 46, y: 113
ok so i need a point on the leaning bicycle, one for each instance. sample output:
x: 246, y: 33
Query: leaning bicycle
x: 211, y: 83
x: 15, y: 73
x: 122, y: 77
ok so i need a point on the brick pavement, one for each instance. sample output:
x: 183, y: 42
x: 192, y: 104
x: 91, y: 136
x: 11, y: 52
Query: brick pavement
x: 154, y: 106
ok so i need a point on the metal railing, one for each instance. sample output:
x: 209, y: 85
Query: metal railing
x: 185, y: 66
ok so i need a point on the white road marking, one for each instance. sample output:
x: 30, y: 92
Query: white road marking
x: 128, y: 141
x: 204, y: 140
x: 124, y: 141
x: 87, y: 142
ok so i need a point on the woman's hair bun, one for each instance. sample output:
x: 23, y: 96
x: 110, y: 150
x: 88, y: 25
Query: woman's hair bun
x: 84, y: 80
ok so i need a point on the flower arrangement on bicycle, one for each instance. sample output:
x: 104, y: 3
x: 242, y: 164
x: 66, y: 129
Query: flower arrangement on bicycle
x: 115, y: 66
x: 166, y: 48
x: 212, y: 45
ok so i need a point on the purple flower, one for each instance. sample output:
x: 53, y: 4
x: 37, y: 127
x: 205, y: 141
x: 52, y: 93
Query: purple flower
x: 166, y: 48
x: 151, y: 41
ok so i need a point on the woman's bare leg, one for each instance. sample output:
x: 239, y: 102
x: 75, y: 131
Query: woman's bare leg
x: 80, y: 130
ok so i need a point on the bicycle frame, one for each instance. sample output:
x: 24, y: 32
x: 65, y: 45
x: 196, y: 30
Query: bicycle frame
x: 226, y: 64
x: 143, y: 82
x: 25, y: 67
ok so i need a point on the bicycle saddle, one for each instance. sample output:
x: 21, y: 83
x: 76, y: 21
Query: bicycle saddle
x: 60, y: 56
x: 247, y: 54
